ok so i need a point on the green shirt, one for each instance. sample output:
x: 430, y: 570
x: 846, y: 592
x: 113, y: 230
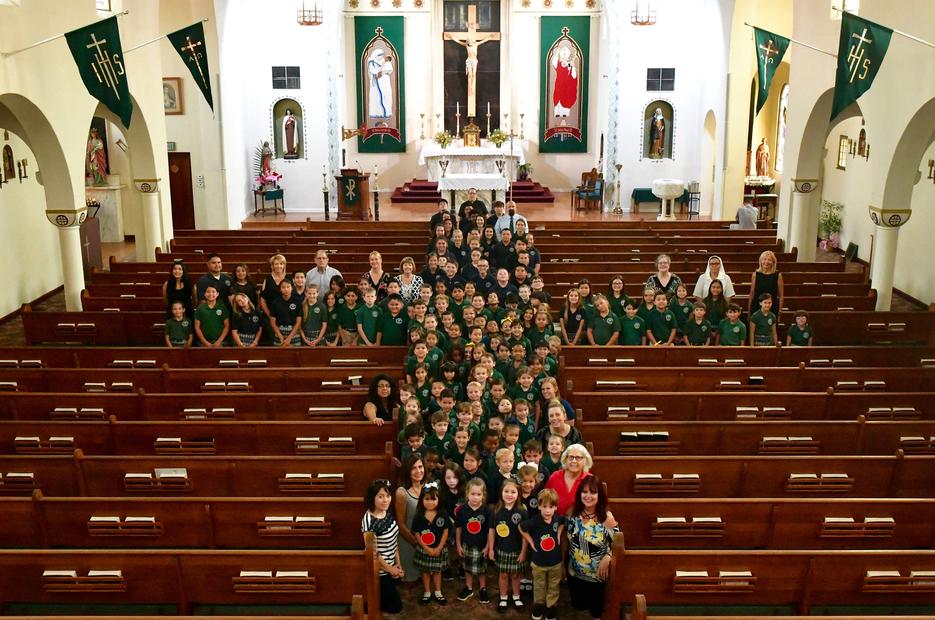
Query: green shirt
x: 178, y: 331
x: 762, y: 324
x: 440, y: 444
x: 347, y: 318
x: 643, y: 312
x: 632, y: 331
x: 617, y: 304
x: 604, y: 327
x: 315, y: 316
x: 800, y: 336
x: 394, y: 329
x: 697, y: 334
x: 661, y: 324
x: 682, y: 312
x: 732, y: 334
x: 369, y: 320
x: 535, y: 336
x: 211, y: 320
x: 531, y: 395
x: 334, y: 318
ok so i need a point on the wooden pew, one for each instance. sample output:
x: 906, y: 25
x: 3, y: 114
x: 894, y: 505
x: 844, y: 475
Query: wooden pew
x: 748, y: 356
x: 711, y: 379
x: 188, y: 579
x: 797, y: 579
x: 143, y: 406
x: 767, y: 476
x: 746, y: 405
x: 744, y: 437
x: 751, y: 523
x: 181, y: 522
x: 209, y: 438
x: 103, y: 328
x: 225, y: 476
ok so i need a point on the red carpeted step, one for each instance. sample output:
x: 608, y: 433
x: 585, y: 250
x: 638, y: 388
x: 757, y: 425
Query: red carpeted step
x: 417, y: 190
x: 530, y: 191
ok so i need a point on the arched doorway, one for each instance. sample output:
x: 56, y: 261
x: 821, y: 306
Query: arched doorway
x: 708, y: 162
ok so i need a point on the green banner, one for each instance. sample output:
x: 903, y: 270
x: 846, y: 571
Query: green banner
x: 381, y: 100
x: 770, y: 48
x: 191, y: 46
x: 565, y: 45
x: 97, y: 52
x: 861, y: 50
x: 350, y: 190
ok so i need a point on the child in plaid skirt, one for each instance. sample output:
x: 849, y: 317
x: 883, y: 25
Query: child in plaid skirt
x: 506, y: 544
x: 473, y: 520
x: 430, y: 528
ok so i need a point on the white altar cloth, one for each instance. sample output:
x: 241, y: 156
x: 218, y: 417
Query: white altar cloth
x: 475, y: 160
x: 464, y: 182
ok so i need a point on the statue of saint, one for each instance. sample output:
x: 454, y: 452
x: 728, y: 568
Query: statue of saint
x: 290, y: 138
x: 657, y: 134
x: 267, y: 162
x: 762, y: 159
x: 96, y: 161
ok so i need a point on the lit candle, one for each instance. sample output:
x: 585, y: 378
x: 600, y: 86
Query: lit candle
x: 457, y: 107
x: 324, y: 169
x: 488, y: 108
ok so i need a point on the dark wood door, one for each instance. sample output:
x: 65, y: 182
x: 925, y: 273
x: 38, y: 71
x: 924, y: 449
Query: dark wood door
x: 180, y: 191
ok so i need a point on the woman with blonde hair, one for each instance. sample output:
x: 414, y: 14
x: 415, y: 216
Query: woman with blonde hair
x: 766, y: 279
x: 270, y: 289
x: 376, y: 278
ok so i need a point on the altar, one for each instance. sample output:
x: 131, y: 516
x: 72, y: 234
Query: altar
x: 473, y: 161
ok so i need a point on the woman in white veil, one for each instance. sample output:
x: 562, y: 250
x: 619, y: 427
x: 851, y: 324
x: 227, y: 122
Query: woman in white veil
x: 714, y: 271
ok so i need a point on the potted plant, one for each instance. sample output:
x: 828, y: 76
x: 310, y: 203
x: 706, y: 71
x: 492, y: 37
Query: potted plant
x: 830, y: 223
x: 522, y: 172
x: 443, y: 138
x: 498, y: 137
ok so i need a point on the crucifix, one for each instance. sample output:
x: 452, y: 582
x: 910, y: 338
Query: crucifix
x: 471, y: 41
x: 194, y: 56
x: 768, y: 52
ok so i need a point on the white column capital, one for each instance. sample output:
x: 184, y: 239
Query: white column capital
x: 889, y: 218
x: 805, y: 186
x: 147, y: 186
x: 67, y: 218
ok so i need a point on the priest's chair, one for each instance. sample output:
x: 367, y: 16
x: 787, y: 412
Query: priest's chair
x: 590, y: 192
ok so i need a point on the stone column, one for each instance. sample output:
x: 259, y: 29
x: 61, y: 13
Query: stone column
x: 69, y: 235
x: 804, y: 229
x: 883, y: 265
x: 149, y: 202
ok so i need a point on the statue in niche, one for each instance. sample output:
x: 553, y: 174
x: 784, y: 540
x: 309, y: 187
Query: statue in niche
x: 96, y: 160
x: 290, y: 137
x: 657, y: 135
x: 9, y: 169
x: 762, y: 159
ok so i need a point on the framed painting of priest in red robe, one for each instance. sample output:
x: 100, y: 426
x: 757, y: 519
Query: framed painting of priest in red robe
x: 564, y: 118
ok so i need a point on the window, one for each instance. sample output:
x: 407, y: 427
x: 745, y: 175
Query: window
x: 286, y: 78
x: 851, y: 6
x: 102, y: 5
x: 844, y: 146
x: 660, y: 79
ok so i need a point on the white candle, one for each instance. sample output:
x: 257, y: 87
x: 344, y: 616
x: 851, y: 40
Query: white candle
x: 375, y: 170
x: 324, y: 170
x: 457, y: 107
x: 488, y: 108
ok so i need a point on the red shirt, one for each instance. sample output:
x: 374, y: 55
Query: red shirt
x: 566, y: 496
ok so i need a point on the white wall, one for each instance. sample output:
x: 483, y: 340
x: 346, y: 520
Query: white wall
x: 28, y: 242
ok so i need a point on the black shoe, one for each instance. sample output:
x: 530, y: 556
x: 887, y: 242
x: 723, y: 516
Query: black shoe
x: 503, y: 605
x: 440, y: 599
x: 482, y: 596
x: 426, y: 598
x: 465, y: 594
x: 461, y: 572
x: 537, y: 612
x: 551, y: 613
x: 448, y: 575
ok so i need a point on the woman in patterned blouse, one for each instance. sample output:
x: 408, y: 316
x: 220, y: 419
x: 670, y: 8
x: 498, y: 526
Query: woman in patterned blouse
x: 591, y: 528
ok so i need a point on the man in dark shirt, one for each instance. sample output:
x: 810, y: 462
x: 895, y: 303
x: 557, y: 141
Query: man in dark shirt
x: 469, y: 209
x: 503, y: 286
x: 216, y: 278
x: 439, y: 217
x: 503, y: 251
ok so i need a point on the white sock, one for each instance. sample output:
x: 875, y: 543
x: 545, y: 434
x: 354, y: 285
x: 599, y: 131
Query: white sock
x: 438, y: 593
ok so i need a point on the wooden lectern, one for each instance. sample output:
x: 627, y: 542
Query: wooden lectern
x: 353, y: 195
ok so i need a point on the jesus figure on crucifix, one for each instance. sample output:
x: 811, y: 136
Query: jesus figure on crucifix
x: 470, y: 41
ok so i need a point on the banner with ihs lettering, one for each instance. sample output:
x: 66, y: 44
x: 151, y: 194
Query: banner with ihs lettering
x: 563, y: 119
x: 381, y: 101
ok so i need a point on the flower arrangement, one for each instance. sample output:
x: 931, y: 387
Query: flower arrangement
x: 443, y: 138
x: 498, y: 137
x: 830, y: 223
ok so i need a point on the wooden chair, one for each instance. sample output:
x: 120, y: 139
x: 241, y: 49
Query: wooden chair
x: 590, y: 191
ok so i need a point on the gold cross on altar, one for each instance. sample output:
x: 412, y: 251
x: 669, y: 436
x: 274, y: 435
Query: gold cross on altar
x: 768, y: 52
x: 471, y: 41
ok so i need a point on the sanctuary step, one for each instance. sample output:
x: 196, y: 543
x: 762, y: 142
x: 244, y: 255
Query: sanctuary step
x: 417, y: 190
x: 530, y: 191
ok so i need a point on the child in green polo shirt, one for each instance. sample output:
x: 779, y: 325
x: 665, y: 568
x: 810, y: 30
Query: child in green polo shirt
x: 439, y: 437
x: 617, y: 298
x: 314, y: 317
x: 661, y: 326
x: 368, y: 318
x: 632, y: 326
x: 394, y: 324
x: 347, y: 318
x: 645, y: 309
x: 212, y: 320
x: 730, y: 331
x: 682, y: 307
x: 763, y: 324
x: 179, y: 327
x: 800, y: 333
x: 697, y: 331
x: 604, y: 326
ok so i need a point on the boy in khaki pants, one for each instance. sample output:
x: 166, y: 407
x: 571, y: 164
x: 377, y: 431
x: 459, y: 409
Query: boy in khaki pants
x: 544, y: 534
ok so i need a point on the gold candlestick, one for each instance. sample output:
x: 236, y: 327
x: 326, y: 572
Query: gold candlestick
x: 617, y: 209
x: 506, y: 123
x: 438, y: 123
x: 521, y: 136
x: 422, y: 126
x: 488, y: 123
x: 457, y: 123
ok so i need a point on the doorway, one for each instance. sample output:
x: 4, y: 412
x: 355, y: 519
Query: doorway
x: 180, y: 191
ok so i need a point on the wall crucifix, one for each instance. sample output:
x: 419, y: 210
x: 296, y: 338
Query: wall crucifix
x: 471, y: 40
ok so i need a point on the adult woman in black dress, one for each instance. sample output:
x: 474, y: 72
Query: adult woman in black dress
x: 664, y: 281
x: 376, y: 277
x: 766, y: 279
x: 178, y: 287
x: 382, y: 398
x: 242, y: 283
x: 270, y: 289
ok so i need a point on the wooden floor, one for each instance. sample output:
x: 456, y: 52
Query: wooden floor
x: 559, y: 211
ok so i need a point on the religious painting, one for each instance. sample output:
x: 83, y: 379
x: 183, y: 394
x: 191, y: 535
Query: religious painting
x: 658, y: 126
x: 9, y: 168
x: 781, y: 128
x: 381, y: 110
x: 565, y: 43
x: 288, y: 129
x: 172, y: 95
